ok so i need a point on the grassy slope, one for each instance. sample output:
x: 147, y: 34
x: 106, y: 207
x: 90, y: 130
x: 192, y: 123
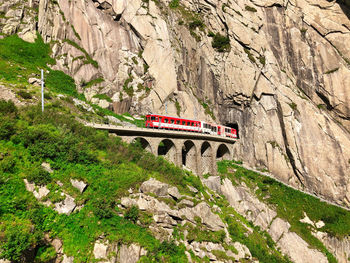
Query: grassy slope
x: 20, y: 60
x: 291, y: 205
x: 108, y: 166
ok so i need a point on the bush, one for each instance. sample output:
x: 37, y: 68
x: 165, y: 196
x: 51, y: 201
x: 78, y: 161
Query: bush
x: 221, y: 43
x: 132, y: 214
x: 7, y: 127
x: 39, y: 176
x: 16, y: 240
x: 103, y: 208
x: 7, y: 107
x: 250, y: 9
x: 174, y: 3
x: 25, y: 95
x: 196, y: 23
x: 45, y: 254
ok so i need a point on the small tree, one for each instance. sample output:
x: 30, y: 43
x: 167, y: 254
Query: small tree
x: 221, y: 43
x: 132, y: 214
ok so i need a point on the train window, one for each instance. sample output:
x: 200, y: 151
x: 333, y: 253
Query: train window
x: 177, y: 122
x: 171, y: 121
x: 183, y: 123
x: 153, y: 118
x: 166, y: 120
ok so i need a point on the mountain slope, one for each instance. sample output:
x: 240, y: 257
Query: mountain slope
x: 277, y: 70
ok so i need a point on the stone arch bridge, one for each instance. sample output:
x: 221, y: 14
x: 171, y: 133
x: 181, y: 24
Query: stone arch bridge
x: 197, y: 152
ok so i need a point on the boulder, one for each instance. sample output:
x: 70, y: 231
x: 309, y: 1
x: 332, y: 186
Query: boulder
x: 174, y: 193
x: 39, y: 192
x: 100, y: 250
x: 34, y: 81
x: 306, y: 220
x: 186, y: 202
x: 47, y: 167
x: 67, y: 259
x: 155, y: 187
x: 192, y: 189
x: 243, y: 251
x: 320, y: 224
x: 130, y: 254
x: 203, y: 211
x: 298, y: 250
x: 80, y: 185
x: 213, y: 183
x: 57, y: 244
x: 66, y: 206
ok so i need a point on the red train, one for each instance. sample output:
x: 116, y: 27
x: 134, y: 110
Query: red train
x: 179, y: 124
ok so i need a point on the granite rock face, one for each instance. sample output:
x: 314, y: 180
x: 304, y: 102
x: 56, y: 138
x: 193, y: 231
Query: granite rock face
x: 283, y: 81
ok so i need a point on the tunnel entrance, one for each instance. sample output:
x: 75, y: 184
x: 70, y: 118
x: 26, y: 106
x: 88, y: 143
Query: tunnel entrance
x: 206, y: 158
x: 223, y: 153
x: 189, y: 156
x: 234, y: 126
x: 166, y: 148
x: 143, y: 143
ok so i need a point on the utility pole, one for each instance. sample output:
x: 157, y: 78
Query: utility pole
x: 166, y: 110
x: 42, y: 90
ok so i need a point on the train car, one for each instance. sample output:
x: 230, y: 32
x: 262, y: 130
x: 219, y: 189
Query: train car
x: 172, y: 123
x: 155, y: 121
x: 230, y: 132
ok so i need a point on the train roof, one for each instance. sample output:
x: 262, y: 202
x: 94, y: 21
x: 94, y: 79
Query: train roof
x: 187, y: 120
x: 170, y: 117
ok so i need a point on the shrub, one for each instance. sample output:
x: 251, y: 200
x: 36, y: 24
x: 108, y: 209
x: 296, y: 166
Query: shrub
x: 7, y: 107
x: 16, y: 240
x: 7, y: 127
x: 132, y: 214
x: 262, y: 60
x: 196, y: 23
x: 39, y: 176
x: 250, y: 9
x: 7, y: 164
x: 103, y: 208
x: 25, y: 95
x: 45, y: 254
x: 211, y: 34
x: 221, y: 43
x: 174, y: 4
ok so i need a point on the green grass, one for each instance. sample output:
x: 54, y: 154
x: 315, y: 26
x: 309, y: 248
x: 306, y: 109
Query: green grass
x: 250, y: 56
x: 88, y: 59
x: 106, y: 164
x: 92, y: 82
x: 250, y: 9
x: 103, y: 97
x: 291, y: 204
x: 20, y: 60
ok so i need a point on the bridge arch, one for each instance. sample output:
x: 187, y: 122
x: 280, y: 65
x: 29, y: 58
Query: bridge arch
x: 189, y: 155
x: 167, y: 149
x: 223, y: 152
x: 143, y: 143
x: 206, y: 158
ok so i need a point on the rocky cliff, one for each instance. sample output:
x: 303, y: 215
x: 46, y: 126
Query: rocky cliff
x: 278, y: 70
